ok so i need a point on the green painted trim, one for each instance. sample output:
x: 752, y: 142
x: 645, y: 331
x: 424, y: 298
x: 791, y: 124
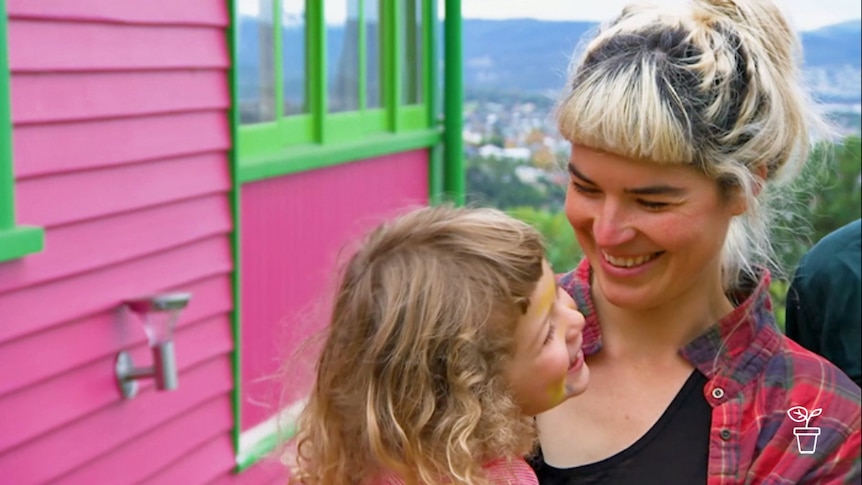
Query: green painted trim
x: 7, y: 176
x: 430, y: 51
x: 20, y: 241
x: 353, y: 125
x: 273, y: 136
x: 413, y: 117
x: 435, y: 156
x: 263, y: 448
x: 453, y: 86
x: 309, y: 157
x: 15, y: 241
x: 236, y: 253
x: 316, y: 67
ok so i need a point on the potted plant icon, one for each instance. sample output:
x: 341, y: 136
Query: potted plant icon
x: 806, y: 437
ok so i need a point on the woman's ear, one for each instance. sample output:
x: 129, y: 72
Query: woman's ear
x: 759, y: 179
x: 739, y: 202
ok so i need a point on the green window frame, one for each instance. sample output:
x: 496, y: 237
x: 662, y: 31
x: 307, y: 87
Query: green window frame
x: 316, y: 138
x: 319, y: 137
x: 15, y: 241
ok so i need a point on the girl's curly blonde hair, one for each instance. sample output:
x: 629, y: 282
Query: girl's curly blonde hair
x: 410, y: 380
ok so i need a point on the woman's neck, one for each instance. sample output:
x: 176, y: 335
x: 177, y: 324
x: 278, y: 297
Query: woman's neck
x: 657, y: 333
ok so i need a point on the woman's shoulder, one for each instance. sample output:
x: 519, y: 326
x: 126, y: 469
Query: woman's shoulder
x: 795, y: 376
x: 805, y: 417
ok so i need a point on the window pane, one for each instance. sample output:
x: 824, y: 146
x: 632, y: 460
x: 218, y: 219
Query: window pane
x: 412, y: 60
x: 342, y: 56
x: 373, y: 54
x: 255, y: 62
x: 293, y: 56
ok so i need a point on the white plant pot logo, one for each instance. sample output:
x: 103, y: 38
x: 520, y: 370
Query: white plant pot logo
x: 806, y: 437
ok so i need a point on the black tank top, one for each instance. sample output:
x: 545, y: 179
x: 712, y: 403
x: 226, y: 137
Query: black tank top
x: 673, y: 452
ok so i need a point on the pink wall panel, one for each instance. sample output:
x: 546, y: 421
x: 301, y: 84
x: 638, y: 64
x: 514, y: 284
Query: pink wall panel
x: 121, y: 137
x: 91, y: 144
x: 66, y: 198
x: 293, y: 228
x: 90, y: 387
x: 183, y: 436
x: 76, y: 46
x: 121, y: 421
x: 268, y: 471
x: 100, y: 335
x: 113, y: 239
x: 79, y: 96
x: 28, y: 311
x: 192, y: 12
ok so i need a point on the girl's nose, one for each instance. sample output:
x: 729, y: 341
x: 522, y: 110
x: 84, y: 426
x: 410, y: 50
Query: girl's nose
x: 575, y: 319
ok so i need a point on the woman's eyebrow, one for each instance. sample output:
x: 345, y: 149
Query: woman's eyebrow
x: 659, y: 189
x: 576, y: 173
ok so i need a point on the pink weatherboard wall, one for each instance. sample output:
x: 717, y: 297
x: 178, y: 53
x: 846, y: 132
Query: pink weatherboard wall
x: 121, y: 137
x: 293, y: 228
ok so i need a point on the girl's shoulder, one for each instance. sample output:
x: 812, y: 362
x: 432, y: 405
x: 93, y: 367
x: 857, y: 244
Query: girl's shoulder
x: 503, y: 471
x: 514, y: 471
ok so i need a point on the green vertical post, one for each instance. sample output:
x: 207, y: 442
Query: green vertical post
x: 7, y: 178
x: 15, y: 241
x: 431, y: 68
x: 315, y: 63
x: 233, y: 160
x: 454, y: 180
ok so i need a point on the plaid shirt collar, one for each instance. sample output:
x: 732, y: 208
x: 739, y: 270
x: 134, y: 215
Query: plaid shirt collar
x: 733, y: 346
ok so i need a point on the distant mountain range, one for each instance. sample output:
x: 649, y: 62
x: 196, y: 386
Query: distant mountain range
x: 520, y: 56
x: 533, y: 55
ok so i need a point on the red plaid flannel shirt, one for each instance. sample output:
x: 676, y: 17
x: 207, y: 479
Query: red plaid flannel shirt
x: 755, y: 376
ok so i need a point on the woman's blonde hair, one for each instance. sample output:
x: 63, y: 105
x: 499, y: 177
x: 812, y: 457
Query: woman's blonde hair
x: 410, y: 379
x: 716, y: 86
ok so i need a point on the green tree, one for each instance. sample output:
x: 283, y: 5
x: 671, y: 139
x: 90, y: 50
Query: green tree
x: 563, y: 250
x: 493, y: 182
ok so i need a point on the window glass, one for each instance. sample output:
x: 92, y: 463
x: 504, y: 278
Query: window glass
x: 412, y: 41
x: 293, y: 64
x: 342, y: 54
x: 373, y: 54
x: 256, y: 84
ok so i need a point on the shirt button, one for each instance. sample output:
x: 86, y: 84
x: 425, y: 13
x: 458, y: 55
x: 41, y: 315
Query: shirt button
x: 725, y: 434
x: 718, y: 393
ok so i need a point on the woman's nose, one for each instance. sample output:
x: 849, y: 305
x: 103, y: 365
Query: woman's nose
x: 611, y: 226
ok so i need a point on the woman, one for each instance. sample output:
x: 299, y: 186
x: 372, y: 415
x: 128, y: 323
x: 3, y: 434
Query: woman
x: 683, y: 124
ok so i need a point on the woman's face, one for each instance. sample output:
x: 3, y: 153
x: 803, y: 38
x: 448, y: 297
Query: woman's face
x: 653, y: 233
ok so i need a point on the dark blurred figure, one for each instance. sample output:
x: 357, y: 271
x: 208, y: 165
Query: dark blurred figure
x: 824, y: 302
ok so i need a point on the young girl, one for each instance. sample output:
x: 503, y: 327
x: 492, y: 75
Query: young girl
x: 448, y: 334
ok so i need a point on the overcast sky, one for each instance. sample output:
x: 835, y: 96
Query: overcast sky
x: 804, y: 14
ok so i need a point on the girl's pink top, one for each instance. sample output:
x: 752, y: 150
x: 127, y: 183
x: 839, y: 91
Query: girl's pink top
x: 499, y: 472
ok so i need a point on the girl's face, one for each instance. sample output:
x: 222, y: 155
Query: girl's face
x: 653, y: 233
x: 548, y: 365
